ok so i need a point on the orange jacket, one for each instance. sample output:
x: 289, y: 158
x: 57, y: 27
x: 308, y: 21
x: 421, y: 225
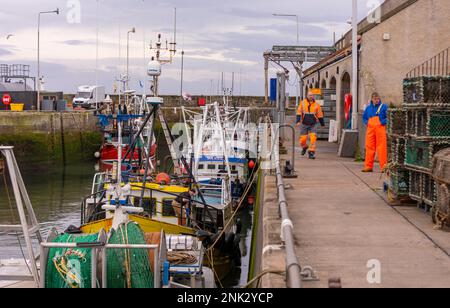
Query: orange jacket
x: 310, y: 113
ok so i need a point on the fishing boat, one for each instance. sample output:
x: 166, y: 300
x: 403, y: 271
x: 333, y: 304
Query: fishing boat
x: 223, y: 146
x: 131, y: 109
x: 147, y: 197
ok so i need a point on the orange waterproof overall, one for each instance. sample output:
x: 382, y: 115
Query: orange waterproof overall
x: 376, y: 142
x: 311, y: 113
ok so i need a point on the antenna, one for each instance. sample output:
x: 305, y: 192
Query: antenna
x: 175, y: 32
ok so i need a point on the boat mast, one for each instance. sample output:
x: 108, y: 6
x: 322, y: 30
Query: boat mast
x: 222, y: 136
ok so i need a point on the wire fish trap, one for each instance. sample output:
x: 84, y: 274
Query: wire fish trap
x: 420, y: 153
x: 427, y: 91
x: 415, y: 185
x: 399, y: 182
x: 441, y: 210
x: 396, y: 121
x: 431, y: 123
x: 397, y: 150
x: 429, y: 188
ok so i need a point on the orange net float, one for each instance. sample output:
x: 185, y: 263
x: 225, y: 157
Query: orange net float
x: 163, y: 179
x: 251, y: 164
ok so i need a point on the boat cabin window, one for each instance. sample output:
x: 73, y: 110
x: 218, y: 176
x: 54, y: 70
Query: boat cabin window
x: 233, y: 167
x: 234, y: 172
x: 222, y: 167
x: 149, y: 205
x: 201, y: 167
x: 167, y: 208
x: 211, y: 167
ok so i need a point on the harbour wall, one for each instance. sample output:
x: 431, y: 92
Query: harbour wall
x: 66, y: 137
x: 50, y: 137
x: 175, y: 101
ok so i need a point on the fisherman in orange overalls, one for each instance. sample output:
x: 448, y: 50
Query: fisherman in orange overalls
x: 375, y: 118
x: 309, y: 115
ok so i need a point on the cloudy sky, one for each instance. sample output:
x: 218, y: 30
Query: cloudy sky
x: 217, y: 36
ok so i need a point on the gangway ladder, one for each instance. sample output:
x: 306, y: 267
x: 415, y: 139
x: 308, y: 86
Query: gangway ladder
x: 167, y: 135
x: 28, y: 221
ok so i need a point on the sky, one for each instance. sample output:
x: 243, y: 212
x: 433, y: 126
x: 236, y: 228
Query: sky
x: 216, y: 36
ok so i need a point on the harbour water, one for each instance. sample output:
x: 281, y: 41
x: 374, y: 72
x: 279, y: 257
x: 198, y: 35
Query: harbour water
x: 56, y: 194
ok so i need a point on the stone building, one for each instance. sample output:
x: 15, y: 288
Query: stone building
x: 409, y: 34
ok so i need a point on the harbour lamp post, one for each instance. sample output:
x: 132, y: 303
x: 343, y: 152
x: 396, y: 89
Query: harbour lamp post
x: 133, y: 30
x: 298, y: 43
x: 38, y: 55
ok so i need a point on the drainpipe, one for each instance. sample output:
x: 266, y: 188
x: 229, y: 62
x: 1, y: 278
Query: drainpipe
x: 355, y: 65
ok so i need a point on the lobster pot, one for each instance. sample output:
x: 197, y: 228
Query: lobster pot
x: 429, y: 190
x: 441, y: 166
x: 443, y: 199
x: 429, y: 91
x: 397, y: 150
x: 438, y: 123
x: 396, y: 121
x: 428, y: 122
x: 420, y: 153
x: 415, y: 185
x: 399, y: 182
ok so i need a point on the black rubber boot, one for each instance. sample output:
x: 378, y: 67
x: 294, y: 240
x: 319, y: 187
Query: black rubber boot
x: 304, y: 151
x: 312, y: 155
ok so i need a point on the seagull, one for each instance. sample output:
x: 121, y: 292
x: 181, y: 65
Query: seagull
x: 9, y: 36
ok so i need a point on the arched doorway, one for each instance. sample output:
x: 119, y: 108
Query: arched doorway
x: 345, y: 89
x: 333, y: 83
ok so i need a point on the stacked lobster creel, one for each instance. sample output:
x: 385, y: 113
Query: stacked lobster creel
x: 399, y: 175
x: 441, y: 174
x: 418, y: 131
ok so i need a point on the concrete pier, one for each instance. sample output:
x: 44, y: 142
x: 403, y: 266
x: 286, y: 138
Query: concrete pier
x: 344, y: 228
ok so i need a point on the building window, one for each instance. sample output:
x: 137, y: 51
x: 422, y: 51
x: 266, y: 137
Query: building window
x: 326, y: 74
x: 337, y: 70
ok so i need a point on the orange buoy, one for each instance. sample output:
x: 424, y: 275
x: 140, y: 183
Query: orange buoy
x: 163, y: 179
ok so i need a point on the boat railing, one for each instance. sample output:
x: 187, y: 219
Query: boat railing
x: 96, y: 248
